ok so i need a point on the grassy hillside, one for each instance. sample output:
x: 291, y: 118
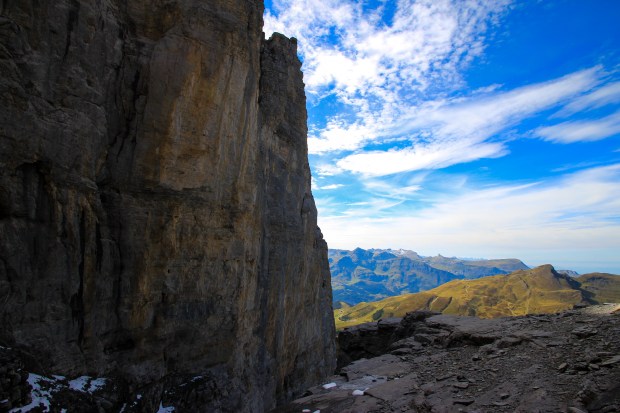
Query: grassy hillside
x: 539, y: 290
x: 604, y: 287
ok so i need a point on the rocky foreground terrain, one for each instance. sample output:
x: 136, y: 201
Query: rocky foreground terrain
x: 425, y: 362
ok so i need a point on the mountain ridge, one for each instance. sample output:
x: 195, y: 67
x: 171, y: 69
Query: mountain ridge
x: 368, y: 275
x: 538, y: 290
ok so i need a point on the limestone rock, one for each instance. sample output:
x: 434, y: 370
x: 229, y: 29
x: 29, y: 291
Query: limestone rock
x: 156, y: 218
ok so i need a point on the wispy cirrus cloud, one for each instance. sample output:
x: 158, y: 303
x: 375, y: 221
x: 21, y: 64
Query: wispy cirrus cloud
x: 445, y: 133
x: 581, y: 130
x: 328, y: 187
x: 425, y: 156
x: 608, y: 94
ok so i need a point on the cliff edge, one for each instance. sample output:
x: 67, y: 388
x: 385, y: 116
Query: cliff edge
x: 156, y: 218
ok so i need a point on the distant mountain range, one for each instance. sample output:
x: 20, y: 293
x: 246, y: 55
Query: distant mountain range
x: 538, y: 290
x: 370, y: 275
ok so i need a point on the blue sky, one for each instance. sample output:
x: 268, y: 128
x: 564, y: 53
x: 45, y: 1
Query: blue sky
x: 467, y: 128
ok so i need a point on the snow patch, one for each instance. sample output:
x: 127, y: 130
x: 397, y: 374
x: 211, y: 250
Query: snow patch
x: 42, y: 388
x: 358, y: 392
x: 329, y: 385
x: 86, y: 384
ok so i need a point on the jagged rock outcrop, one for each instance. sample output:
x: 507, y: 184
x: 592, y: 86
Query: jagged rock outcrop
x: 156, y: 218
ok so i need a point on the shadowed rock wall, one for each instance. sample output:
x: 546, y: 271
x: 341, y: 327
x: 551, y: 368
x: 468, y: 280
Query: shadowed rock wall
x: 156, y: 217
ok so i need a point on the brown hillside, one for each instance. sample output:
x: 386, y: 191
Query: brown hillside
x: 604, y: 287
x: 539, y: 290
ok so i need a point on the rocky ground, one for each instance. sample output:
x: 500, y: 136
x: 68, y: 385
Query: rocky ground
x: 424, y: 362
x: 565, y: 362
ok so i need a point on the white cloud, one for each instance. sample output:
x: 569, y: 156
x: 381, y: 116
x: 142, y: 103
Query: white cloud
x: 425, y: 36
x: 433, y: 156
x: 581, y: 130
x: 326, y: 169
x: 332, y: 186
x: 605, y: 95
x: 545, y: 219
x: 447, y: 133
x: 340, y: 135
x: 488, y: 114
x: 380, y: 69
x: 345, y: 73
x: 393, y: 191
x: 376, y: 207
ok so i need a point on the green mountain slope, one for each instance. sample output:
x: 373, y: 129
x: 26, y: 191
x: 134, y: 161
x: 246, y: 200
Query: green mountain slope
x: 539, y: 290
x: 369, y: 275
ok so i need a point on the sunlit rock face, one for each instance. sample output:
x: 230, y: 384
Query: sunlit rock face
x: 156, y: 217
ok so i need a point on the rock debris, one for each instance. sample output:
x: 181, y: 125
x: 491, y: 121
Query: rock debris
x: 426, y: 362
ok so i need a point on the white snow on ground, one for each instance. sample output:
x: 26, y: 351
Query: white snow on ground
x: 162, y: 409
x: 358, y: 392
x: 329, y: 385
x: 86, y: 384
x: 42, y: 388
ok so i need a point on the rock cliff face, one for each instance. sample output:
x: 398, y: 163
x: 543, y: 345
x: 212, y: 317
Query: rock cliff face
x: 156, y: 218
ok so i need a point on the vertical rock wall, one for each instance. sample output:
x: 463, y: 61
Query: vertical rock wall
x: 156, y: 218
